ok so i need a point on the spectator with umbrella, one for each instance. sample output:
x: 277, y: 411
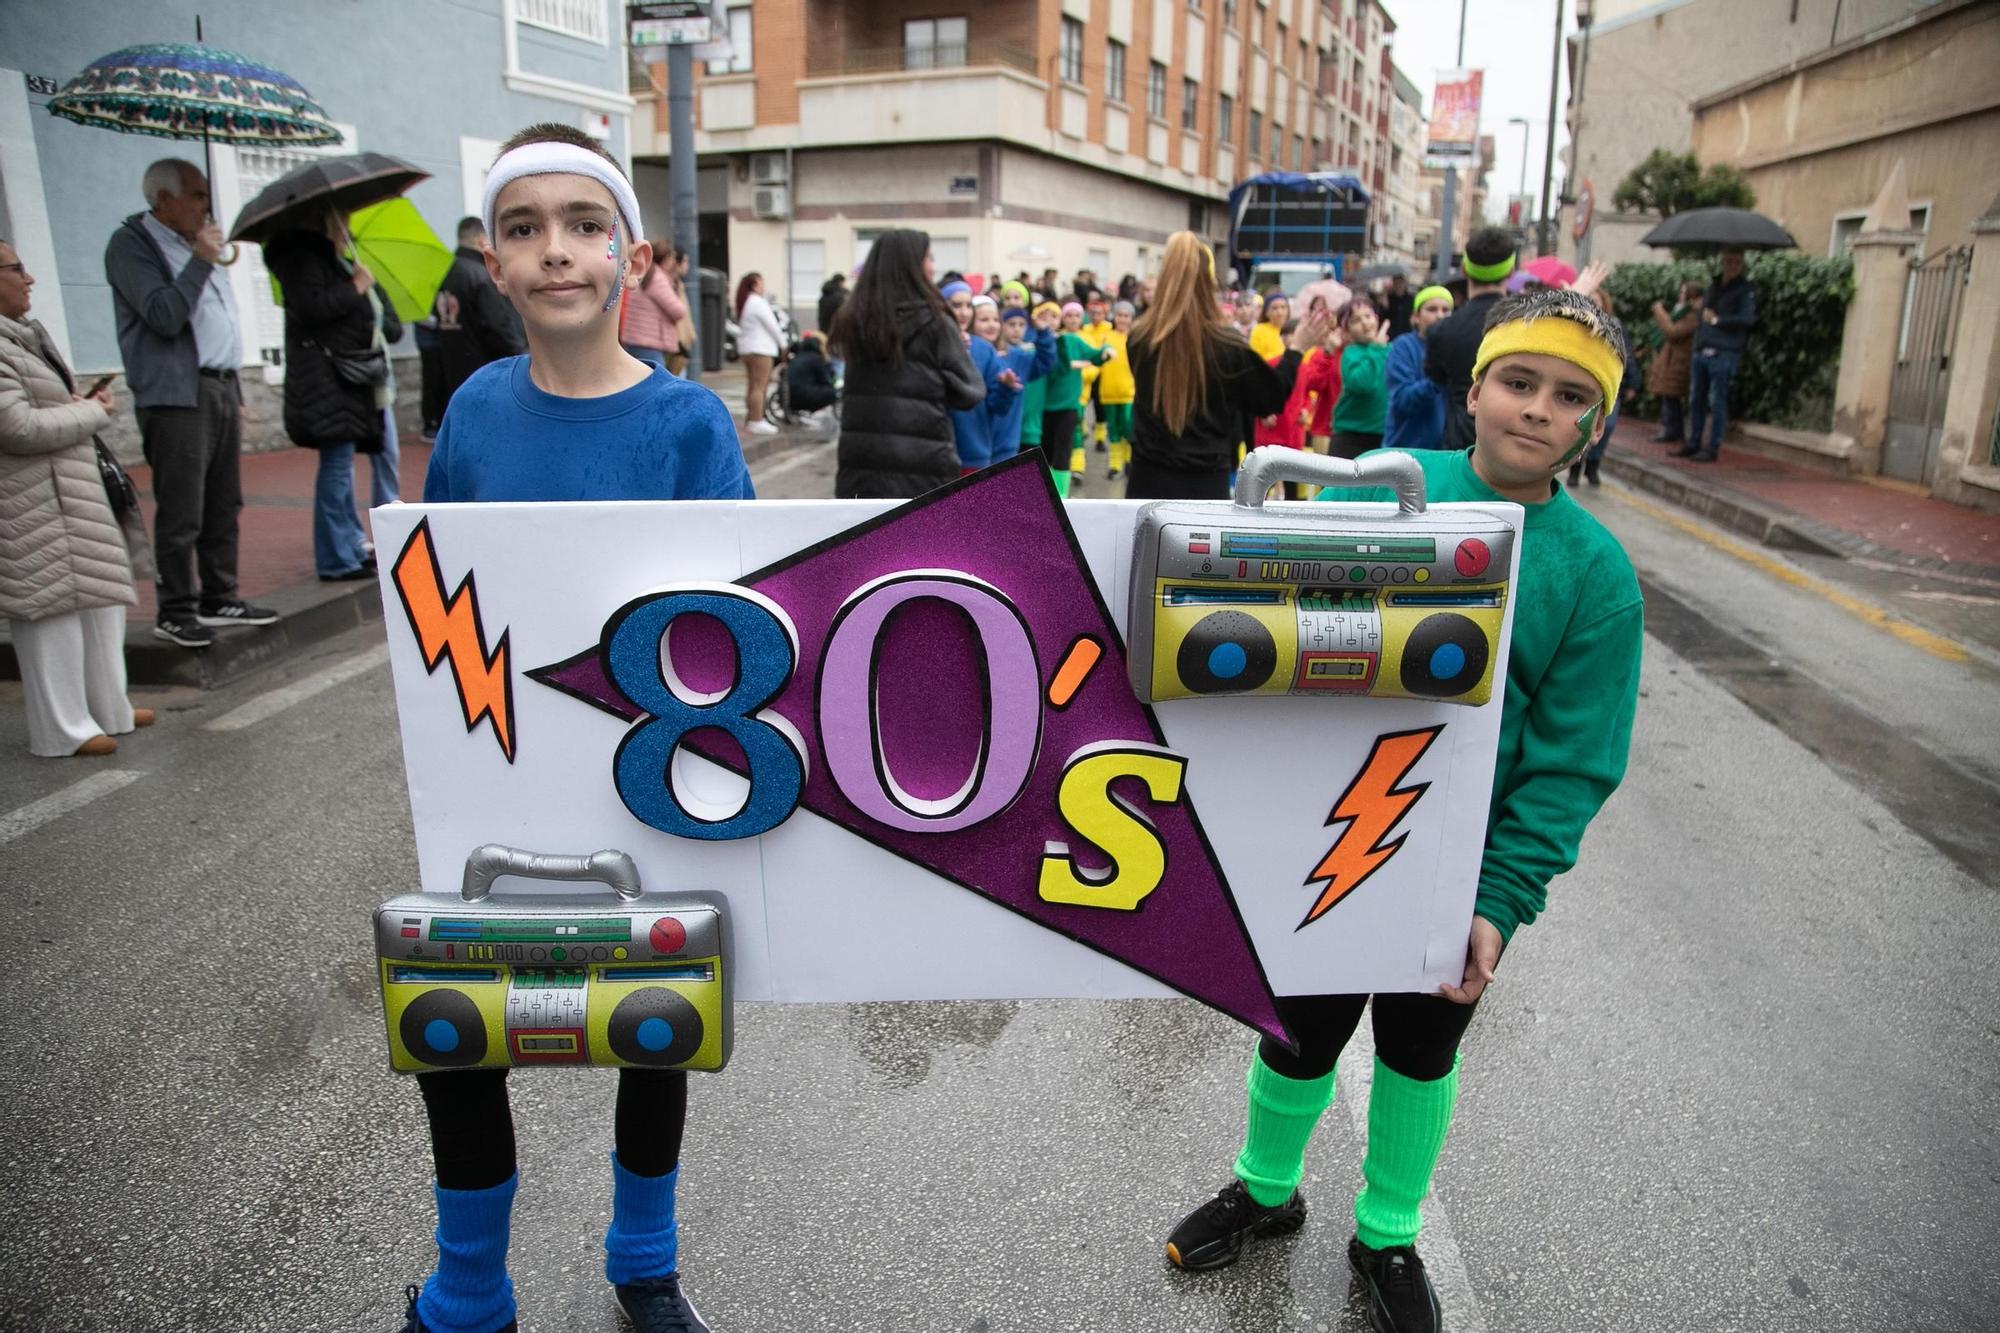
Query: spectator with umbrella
x: 1728, y: 312
x: 341, y: 314
x: 178, y: 330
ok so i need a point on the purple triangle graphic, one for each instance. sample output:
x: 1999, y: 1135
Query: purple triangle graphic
x: 1006, y: 527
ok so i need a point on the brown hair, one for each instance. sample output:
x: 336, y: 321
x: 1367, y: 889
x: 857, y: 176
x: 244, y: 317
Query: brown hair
x: 553, y: 131
x: 1182, y: 331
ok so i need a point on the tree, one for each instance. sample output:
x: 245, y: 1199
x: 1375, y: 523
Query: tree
x: 1669, y: 183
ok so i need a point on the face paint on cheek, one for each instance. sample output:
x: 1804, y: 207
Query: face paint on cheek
x: 618, y: 278
x: 1586, y: 425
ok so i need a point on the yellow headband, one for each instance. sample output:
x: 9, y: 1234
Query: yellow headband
x: 1050, y: 306
x: 1556, y: 336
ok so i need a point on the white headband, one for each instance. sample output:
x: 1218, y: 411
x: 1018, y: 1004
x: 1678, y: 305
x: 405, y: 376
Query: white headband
x: 560, y: 159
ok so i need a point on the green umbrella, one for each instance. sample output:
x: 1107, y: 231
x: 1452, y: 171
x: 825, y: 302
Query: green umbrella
x: 408, y: 260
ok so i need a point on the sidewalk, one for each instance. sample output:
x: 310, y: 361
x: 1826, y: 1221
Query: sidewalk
x: 1783, y: 504
x: 275, y: 560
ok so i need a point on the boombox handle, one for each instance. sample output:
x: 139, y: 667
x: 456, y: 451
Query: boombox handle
x: 488, y: 863
x: 1273, y: 463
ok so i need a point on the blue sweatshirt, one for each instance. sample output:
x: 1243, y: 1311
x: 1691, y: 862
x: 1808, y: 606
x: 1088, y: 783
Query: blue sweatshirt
x: 1416, y: 401
x: 1032, y: 360
x: 662, y: 439
x: 971, y: 429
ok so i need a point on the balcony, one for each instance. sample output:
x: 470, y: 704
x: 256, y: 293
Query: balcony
x: 836, y: 61
x: 976, y: 90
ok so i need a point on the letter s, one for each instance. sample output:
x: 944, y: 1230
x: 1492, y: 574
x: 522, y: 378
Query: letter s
x: 1138, y: 857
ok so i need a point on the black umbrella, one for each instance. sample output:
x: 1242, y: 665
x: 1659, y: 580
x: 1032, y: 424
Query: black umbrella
x: 348, y: 182
x: 1719, y: 229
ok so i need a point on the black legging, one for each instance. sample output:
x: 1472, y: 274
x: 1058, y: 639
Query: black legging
x: 1059, y: 438
x: 472, y: 1126
x: 1415, y: 1035
x: 1143, y: 481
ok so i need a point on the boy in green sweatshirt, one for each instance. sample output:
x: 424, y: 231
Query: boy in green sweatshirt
x: 1546, y: 376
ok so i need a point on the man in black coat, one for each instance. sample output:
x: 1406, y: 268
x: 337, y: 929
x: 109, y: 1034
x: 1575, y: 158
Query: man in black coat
x: 1452, y: 348
x: 475, y: 323
x: 831, y: 293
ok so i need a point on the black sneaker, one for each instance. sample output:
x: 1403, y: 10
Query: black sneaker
x: 1400, y: 1296
x: 658, y: 1305
x: 1212, y: 1236
x: 236, y: 612
x: 183, y: 630
x: 413, y: 1324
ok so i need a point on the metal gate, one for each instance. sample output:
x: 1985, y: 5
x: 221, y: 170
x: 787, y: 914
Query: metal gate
x: 1931, y: 301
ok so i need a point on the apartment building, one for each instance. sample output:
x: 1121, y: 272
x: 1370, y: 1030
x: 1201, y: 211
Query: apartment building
x: 1399, y: 204
x: 1022, y: 134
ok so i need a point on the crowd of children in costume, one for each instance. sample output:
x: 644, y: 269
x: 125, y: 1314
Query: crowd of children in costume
x: 1059, y: 377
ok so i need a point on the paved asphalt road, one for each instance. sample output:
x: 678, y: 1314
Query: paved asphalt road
x: 1742, y: 1076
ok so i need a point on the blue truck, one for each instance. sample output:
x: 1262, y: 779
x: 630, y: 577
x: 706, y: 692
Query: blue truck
x: 1288, y: 228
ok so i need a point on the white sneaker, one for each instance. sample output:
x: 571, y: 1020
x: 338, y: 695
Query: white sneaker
x: 762, y: 428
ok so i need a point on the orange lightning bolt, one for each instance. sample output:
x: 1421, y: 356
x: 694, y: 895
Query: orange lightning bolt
x: 1371, y: 806
x: 449, y: 628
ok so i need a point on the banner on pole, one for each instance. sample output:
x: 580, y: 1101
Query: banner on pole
x: 1454, y: 125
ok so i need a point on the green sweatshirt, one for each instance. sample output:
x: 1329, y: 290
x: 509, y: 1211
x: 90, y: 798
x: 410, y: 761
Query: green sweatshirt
x: 1065, y: 383
x: 1034, y: 399
x: 1363, y: 405
x: 1572, y: 687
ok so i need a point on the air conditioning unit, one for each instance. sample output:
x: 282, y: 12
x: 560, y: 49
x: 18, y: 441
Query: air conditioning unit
x: 771, y: 201
x: 768, y: 169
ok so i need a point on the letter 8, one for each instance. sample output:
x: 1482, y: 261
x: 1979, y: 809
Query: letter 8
x: 639, y: 658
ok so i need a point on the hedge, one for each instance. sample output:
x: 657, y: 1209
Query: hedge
x: 1786, y: 377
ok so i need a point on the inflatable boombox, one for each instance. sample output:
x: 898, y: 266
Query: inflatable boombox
x: 1312, y: 600
x: 484, y: 981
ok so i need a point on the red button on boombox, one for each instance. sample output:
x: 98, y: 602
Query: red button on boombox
x: 1472, y: 557
x: 668, y: 935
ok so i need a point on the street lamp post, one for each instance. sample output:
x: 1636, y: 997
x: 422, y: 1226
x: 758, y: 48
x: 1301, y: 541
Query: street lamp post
x: 1522, y: 192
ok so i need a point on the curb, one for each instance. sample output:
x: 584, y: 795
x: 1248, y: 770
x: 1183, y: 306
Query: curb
x: 311, y: 614
x: 1763, y: 523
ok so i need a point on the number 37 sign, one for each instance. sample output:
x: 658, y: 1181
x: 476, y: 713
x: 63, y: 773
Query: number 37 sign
x: 903, y: 742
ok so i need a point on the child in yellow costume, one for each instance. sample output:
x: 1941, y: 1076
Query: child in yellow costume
x: 1116, y: 390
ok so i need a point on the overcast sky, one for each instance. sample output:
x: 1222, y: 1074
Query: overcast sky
x: 1510, y: 40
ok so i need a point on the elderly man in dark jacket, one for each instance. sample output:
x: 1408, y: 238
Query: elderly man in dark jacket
x: 475, y: 323
x: 180, y: 339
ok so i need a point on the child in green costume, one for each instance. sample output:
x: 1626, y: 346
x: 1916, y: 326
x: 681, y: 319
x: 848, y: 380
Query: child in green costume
x: 1063, y: 392
x: 1546, y: 376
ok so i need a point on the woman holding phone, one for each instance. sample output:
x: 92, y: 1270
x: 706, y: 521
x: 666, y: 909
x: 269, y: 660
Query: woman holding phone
x: 65, y: 554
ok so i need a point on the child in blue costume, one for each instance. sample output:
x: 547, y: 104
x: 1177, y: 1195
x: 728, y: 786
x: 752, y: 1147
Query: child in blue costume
x: 972, y: 428
x: 1416, y: 401
x: 1030, y: 355
x: 577, y: 418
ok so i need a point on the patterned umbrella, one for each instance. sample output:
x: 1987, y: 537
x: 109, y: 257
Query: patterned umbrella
x: 193, y: 92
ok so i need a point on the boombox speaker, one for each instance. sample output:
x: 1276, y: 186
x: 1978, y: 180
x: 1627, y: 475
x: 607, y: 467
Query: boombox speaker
x: 483, y: 980
x: 1314, y: 600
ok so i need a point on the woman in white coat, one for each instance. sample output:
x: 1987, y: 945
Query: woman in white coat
x: 65, y: 561
x: 759, y: 342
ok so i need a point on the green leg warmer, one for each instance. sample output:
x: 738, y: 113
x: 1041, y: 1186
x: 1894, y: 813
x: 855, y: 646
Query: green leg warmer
x: 1062, y: 483
x: 1283, y: 1112
x: 1407, y: 1121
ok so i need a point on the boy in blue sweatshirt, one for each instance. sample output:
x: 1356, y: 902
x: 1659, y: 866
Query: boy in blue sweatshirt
x: 577, y: 418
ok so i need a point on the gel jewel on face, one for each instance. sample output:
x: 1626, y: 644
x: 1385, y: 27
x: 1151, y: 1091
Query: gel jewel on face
x: 618, y: 277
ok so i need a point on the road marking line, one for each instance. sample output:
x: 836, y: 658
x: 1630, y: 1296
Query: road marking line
x: 1439, y: 1246
x: 57, y: 804
x: 798, y: 459
x: 1935, y: 644
x: 278, y: 700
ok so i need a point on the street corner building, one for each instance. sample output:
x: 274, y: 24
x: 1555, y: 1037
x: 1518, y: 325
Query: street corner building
x: 1065, y: 134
